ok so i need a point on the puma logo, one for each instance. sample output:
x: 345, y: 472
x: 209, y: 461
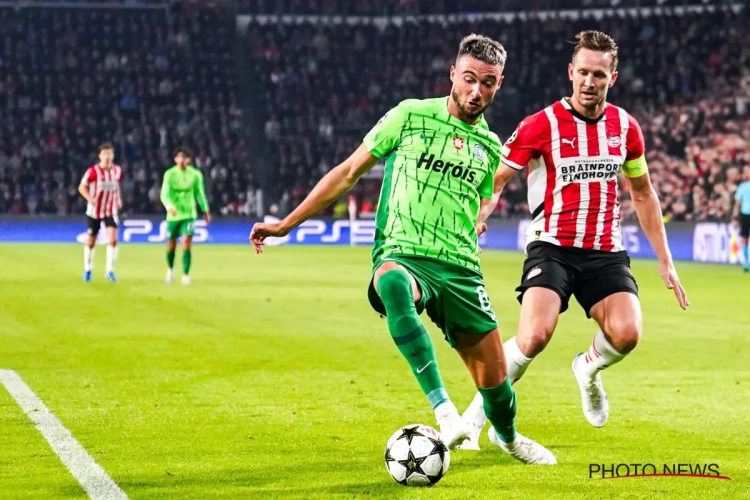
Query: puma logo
x: 572, y: 142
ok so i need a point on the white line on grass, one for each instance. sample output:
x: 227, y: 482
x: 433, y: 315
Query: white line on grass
x: 84, y: 468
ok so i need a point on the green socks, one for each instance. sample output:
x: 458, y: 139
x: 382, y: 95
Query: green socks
x: 500, y: 409
x: 186, y: 260
x: 410, y: 335
x: 186, y: 257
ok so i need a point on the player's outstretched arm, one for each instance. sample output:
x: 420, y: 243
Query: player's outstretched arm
x: 648, y: 208
x: 330, y: 188
x: 503, y: 175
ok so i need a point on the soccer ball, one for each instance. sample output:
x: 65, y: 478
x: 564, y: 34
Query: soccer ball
x: 416, y: 456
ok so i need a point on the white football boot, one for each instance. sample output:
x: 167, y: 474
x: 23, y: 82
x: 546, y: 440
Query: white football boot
x: 524, y: 449
x: 185, y: 279
x: 170, y: 275
x: 593, y: 397
x: 453, y: 429
x: 475, y: 418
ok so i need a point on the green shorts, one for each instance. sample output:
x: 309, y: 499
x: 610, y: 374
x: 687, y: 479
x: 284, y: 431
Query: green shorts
x: 177, y: 228
x: 453, y: 296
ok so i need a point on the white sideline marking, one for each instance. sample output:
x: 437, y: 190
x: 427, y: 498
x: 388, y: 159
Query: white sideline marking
x: 81, y: 465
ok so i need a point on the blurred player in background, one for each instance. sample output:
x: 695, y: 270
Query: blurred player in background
x: 181, y: 187
x: 574, y: 150
x: 100, y: 187
x: 440, y: 158
x: 741, y: 215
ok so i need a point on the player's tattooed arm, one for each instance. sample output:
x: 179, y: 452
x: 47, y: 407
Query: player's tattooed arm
x: 502, y: 176
x: 331, y: 187
x: 648, y: 209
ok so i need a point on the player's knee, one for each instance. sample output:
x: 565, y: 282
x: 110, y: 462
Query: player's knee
x: 624, y: 335
x: 533, y: 339
x: 394, y: 287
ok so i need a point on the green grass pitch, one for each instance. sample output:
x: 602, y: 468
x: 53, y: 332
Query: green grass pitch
x: 270, y: 377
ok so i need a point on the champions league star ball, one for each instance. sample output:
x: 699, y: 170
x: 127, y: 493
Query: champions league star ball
x: 416, y: 456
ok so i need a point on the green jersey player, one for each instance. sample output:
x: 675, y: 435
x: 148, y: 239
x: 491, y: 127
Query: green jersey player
x: 181, y: 187
x: 440, y: 160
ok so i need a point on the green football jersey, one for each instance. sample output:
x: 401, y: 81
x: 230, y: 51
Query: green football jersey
x: 437, y: 169
x: 180, y: 189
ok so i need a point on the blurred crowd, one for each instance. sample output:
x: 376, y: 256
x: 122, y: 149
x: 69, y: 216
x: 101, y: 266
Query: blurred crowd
x: 684, y: 77
x: 146, y: 79
x: 153, y: 77
x: 415, y: 7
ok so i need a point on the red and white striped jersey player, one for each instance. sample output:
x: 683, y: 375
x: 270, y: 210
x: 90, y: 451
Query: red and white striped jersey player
x: 100, y: 186
x: 573, y: 152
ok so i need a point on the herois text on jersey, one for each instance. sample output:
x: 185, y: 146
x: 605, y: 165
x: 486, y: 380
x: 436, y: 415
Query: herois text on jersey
x: 457, y: 170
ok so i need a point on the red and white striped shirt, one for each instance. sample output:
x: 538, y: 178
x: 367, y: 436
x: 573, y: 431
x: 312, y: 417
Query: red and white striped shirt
x: 573, y: 164
x: 102, y: 184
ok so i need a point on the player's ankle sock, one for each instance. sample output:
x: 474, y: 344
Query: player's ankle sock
x: 410, y: 335
x: 500, y: 408
x: 446, y: 409
x: 88, y: 258
x: 475, y: 411
x: 111, y: 258
x: 186, y: 258
x: 600, y: 355
x: 170, y: 259
x: 515, y: 360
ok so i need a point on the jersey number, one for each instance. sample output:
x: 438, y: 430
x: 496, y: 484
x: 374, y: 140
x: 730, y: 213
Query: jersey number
x: 484, y: 301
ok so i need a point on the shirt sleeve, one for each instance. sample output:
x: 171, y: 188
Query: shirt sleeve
x: 165, y: 191
x: 523, y: 145
x: 89, y: 176
x: 486, y: 187
x: 635, y: 160
x: 200, y: 191
x: 384, y: 136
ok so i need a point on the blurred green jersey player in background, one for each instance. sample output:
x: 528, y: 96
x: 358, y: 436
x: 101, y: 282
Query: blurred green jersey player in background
x: 181, y: 187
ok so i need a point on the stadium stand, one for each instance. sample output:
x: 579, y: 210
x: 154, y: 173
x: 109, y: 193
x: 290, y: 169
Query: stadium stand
x: 145, y: 79
x: 325, y: 85
x: 150, y: 77
x: 412, y: 7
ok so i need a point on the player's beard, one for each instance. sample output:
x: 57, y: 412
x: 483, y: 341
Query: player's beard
x: 462, y: 108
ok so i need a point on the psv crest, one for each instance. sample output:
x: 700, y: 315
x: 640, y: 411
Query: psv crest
x: 614, y: 141
x: 458, y: 143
